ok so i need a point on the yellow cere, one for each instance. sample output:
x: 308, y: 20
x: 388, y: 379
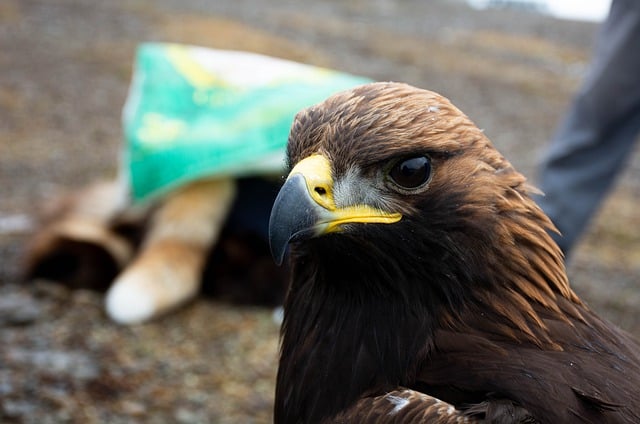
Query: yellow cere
x: 316, y: 170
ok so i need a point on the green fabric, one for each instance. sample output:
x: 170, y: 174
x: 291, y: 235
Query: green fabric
x: 193, y: 113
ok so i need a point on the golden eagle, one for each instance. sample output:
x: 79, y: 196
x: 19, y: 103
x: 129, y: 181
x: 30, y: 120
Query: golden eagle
x: 424, y: 283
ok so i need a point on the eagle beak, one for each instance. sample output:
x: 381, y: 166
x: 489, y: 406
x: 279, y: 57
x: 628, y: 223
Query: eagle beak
x: 305, y: 207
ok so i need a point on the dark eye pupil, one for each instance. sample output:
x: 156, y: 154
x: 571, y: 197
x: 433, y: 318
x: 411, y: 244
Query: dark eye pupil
x: 411, y: 173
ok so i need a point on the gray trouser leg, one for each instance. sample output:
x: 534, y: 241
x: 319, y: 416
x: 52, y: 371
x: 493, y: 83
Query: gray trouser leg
x: 596, y: 136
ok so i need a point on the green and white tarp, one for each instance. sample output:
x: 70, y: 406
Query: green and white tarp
x: 194, y: 113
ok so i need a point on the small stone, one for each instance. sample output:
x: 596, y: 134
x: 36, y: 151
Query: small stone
x: 76, y: 364
x: 133, y: 408
x: 16, y: 408
x: 19, y: 309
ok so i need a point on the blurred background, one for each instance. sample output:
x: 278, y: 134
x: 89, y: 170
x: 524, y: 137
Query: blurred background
x: 65, y: 68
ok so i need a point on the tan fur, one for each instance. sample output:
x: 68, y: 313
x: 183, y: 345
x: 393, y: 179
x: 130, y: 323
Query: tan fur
x: 90, y: 231
x: 156, y: 277
x: 79, y: 218
x: 99, y: 202
x: 167, y: 271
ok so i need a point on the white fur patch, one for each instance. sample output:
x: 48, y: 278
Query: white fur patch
x: 129, y: 304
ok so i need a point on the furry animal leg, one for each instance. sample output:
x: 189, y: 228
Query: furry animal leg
x: 75, y: 243
x: 168, y: 269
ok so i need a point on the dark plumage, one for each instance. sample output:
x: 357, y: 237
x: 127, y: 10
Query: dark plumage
x: 423, y: 275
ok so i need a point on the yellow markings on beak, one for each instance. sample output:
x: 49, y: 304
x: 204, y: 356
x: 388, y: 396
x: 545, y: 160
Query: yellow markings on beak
x: 362, y: 214
x: 316, y: 171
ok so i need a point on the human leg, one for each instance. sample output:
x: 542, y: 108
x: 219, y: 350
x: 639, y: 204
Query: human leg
x: 591, y: 145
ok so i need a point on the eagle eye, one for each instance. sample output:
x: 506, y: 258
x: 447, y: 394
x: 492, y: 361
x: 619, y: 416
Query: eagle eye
x: 411, y: 173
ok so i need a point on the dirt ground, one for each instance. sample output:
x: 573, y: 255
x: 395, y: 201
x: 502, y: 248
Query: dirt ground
x: 65, y: 66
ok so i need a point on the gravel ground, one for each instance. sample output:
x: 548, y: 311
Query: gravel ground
x: 66, y: 66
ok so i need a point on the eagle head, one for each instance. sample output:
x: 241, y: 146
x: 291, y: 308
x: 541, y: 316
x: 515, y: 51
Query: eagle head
x: 389, y: 169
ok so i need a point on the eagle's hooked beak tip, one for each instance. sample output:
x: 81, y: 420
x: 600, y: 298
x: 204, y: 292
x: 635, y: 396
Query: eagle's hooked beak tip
x: 293, y: 216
